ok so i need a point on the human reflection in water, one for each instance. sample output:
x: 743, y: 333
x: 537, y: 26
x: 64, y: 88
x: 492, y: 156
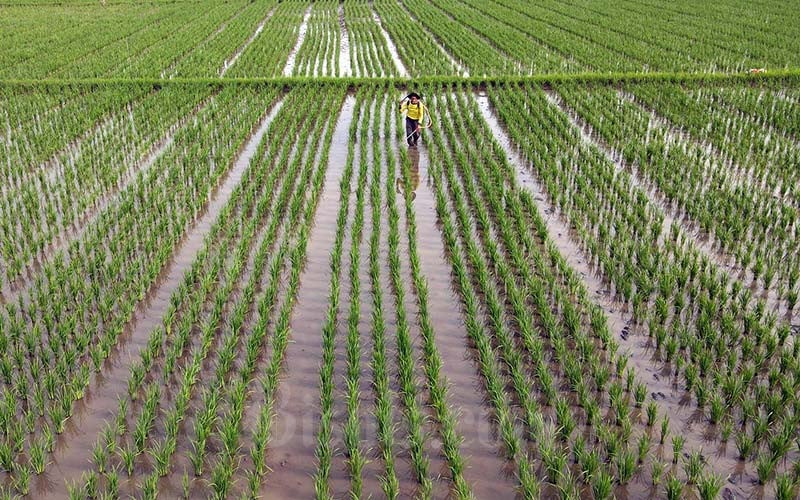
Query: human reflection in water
x: 413, y: 172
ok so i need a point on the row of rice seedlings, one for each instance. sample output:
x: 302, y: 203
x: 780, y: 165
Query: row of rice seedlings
x: 37, y: 126
x: 229, y: 423
x: 152, y: 59
x: 479, y: 324
x: 715, y: 206
x: 435, y: 381
x: 76, y: 330
x: 764, y: 156
x: 733, y: 391
x: 766, y: 105
x: 56, y: 198
x: 149, y: 48
x: 267, y: 55
x: 409, y: 391
x: 416, y: 48
x: 566, y: 419
x: 354, y: 449
x: 225, y: 423
x: 513, y: 231
x: 319, y: 54
x: 369, y: 54
x: 297, y: 257
x: 569, y: 324
x: 224, y: 256
x: 522, y: 53
x: 213, y: 53
x: 380, y: 373
x: 324, y: 449
x: 705, y: 278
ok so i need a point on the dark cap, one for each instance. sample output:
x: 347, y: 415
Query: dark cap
x: 413, y: 94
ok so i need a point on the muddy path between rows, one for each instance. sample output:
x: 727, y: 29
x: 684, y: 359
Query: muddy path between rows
x: 480, y: 446
x: 291, y: 451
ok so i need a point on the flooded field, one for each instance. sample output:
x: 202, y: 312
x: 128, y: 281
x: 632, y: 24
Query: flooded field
x: 228, y: 271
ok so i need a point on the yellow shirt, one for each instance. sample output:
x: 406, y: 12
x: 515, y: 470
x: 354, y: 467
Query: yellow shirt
x: 413, y: 111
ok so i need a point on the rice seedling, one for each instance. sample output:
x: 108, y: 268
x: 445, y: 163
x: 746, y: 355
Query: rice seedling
x: 709, y: 486
x: 673, y: 487
x: 128, y: 456
x: 652, y: 414
x: 626, y: 466
x: 693, y: 466
x: 602, y: 485
x: 36, y: 454
x: 744, y: 444
x: 765, y: 466
x: 664, y: 429
x: 21, y: 480
x: 112, y: 483
x: 785, y: 486
x: 656, y: 471
x: 677, y: 447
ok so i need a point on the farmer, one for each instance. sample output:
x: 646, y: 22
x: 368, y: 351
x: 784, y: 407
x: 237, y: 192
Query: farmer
x: 414, y: 111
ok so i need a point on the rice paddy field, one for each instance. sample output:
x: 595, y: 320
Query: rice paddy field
x: 224, y: 274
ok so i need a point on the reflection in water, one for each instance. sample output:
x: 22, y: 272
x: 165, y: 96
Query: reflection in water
x: 413, y: 155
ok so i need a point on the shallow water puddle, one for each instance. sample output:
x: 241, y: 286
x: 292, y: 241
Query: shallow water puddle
x: 290, y: 63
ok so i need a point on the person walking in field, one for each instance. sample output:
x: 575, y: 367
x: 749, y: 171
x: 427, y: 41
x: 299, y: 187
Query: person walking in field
x: 414, y: 111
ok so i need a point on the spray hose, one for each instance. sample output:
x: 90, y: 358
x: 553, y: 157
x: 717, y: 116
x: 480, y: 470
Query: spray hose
x: 425, y: 113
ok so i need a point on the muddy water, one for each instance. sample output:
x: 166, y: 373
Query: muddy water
x: 73, y: 448
x: 480, y: 445
x: 401, y: 68
x: 290, y: 63
x: 345, y: 65
x: 662, y: 385
x: 291, y: 449
x: 226, y: 65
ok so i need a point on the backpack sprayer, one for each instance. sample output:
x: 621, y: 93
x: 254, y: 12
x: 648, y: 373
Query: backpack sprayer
x: 423, y: 107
